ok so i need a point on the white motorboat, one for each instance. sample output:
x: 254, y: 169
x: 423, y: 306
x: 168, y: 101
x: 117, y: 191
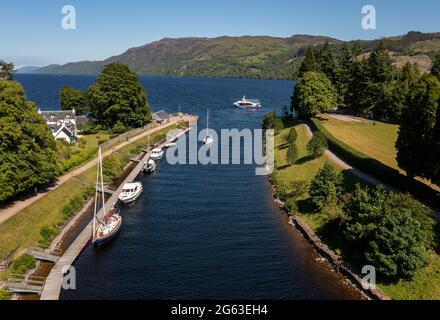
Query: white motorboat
x: 208, y: 139
x: 150, y: 166
x: 244, y: 103
x: 130, y: 192
x: 156, y: 154
x: 170, y: 145
x: 112, y: 221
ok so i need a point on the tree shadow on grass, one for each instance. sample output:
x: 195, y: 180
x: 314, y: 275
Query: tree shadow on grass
x: 283, y: 146
x: 321, y: 118
x: 304, y: 160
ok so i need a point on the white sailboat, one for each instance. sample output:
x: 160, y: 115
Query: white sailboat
x: 105, y: 229
x: 208, y: 139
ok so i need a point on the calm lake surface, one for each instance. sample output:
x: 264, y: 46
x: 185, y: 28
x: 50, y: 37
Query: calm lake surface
x: 200, y: 232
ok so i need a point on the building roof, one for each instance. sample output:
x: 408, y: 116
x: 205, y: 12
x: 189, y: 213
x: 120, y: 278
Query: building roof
x: 54, y: 116
x: 160, y: 115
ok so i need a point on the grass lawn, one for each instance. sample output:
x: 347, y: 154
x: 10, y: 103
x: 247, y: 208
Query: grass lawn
x: 374, y: 138
x: 73, y: 156
x: 305, y: 167
x: 426, y: 282
x: 26, y: 225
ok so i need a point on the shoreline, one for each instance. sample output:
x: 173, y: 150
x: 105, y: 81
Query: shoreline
x: 328, y: 255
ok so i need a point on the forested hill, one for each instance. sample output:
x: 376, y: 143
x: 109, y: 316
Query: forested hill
x: 242, y: 57
x: 247, y: 56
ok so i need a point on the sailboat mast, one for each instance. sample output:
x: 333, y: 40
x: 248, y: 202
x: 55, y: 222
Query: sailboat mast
x: 207, y: 122
x: 96, y: 201
x: 102, y: 181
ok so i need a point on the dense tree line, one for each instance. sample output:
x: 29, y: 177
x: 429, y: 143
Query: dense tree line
x: 418, y: 143
x: 116, y: 101
x: 366, y: 85
x: 27, y: 147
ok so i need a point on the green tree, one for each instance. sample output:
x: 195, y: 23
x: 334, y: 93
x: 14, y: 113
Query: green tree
x: 392, y: 229
x: 118, y: 95
x: 6, y: 70
x: 27, y: 147
x: 73, y: 99
x: 272, y: 121
x: 343, y: 73
x: 326, y: 62
x: 309, y: 63
x: 314, y: 94
x: 416, y: 138
x: 292, y: 154
x: 317, y: 145
x: 325, y: 187
x: 435, y: 69
x: 119, y: 128
x: 291, y: 136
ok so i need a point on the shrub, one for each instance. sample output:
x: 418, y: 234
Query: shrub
x: 291, y: 136
x: 23, y: 264
x: 272, y: 121
x: 299, y: 188
x: 281, y: 190
x: 119, y: 128
x: 82, y: 143
x: 326, y: 186
x: 292, y: 154
x: 317, y: 145
x: 5, y: 294
x: 391, y: 229
x: 291, y: 206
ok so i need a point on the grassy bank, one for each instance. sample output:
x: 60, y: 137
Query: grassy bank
x: 426, y: 282
x: 40, y: 222
x: 73, y: 155
x: 373, y: 138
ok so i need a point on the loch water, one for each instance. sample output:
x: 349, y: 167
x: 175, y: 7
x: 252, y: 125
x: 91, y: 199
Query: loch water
x: 200, y: 232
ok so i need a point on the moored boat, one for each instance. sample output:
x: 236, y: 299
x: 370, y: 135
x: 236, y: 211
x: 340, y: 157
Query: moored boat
x: 130, y: 192
x: 150, y: 166
x: 156, y: 154
x: 244, y: 103
x: 107, y: 230
x: 109, y: 226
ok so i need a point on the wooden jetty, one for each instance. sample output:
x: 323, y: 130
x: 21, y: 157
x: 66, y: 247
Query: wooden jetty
x: 25, y: 284
x: 53, y: 283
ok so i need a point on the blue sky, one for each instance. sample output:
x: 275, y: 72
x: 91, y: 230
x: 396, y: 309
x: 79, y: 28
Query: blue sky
x: 32, y: 35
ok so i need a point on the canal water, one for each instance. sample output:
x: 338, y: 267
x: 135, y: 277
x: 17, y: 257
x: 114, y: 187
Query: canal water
x: 200, y: 232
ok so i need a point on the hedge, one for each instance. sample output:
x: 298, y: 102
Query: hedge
x: 377, y: 169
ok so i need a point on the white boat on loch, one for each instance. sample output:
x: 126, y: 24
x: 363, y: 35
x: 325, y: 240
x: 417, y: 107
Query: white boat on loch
x: 244, y: 103
x: 156, y: 154
x: 130, y: 192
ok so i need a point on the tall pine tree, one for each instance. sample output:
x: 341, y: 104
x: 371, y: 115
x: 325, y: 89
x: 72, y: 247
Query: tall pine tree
x: 417, y: 135
x: 326, y: 62
x: 309, y: 64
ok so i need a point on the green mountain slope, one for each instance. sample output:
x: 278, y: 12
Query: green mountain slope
x: 241, y: 57
x: 247, y: 56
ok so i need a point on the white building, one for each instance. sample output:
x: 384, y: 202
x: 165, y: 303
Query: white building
x: 63, y: 123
